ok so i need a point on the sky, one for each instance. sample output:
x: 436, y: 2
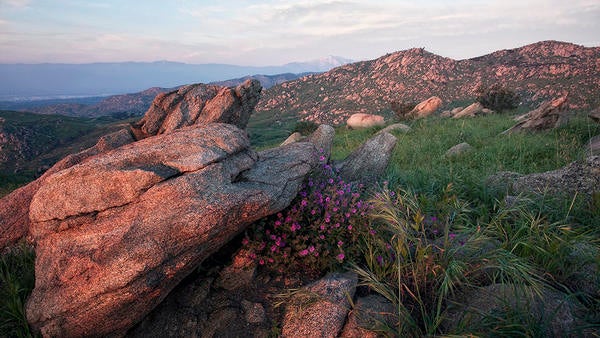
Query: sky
x: 273, y: 32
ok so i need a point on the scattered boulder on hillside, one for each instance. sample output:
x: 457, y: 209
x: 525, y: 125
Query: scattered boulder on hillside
x: 320, y: 309
x: 426, y: 108
x: 396, y: 126
x: 581, y: 177
x: 199, y: 104
x: 548, y: 115
x: 471, y: 111
x: 295, y: 137
x: 360, y: 120
x: 189, y: 191
x: 458, y: 149
x: 450, y: 113
x: 553, y: 310
x: 370, y: 160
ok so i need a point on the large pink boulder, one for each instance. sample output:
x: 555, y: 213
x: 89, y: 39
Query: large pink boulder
x: 116, y: 233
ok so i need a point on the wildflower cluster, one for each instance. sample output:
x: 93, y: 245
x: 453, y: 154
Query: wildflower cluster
x: 320, y: 229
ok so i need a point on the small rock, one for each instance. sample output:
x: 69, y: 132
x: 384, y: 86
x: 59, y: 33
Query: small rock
x: 361, y: 120
x: 458, y: 149
x: 324, y: 312
x: 470, y: 111
x: 374, y: 312
x: 295, y: 137
x: 255, y: 312
x: 426, y: 107
x: 396, y: 127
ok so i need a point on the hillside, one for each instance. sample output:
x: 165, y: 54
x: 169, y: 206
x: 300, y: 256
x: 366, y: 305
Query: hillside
x: 537, y: 72
x: 30, y: 143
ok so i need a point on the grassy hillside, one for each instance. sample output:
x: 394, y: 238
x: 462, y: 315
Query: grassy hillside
x: 434, y: 215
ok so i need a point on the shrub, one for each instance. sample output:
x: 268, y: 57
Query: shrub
x: 497, y: 98
x: 400, y: 109
x: 305, y: 127
x: 318, y: 232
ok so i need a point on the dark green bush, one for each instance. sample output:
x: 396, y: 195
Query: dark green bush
x: 498, y: 98
x: 400, y: 109
x: 305, y: 127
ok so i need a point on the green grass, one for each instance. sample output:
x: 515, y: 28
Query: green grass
x: 16, y: 283
x: 418, y: 161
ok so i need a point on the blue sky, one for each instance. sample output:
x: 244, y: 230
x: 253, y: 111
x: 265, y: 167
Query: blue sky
x: 275, y: 32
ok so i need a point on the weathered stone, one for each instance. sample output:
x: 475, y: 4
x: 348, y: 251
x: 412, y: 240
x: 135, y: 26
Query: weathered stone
x: 547, y: 116
x: 471, y: 111
x: 295, y: 137
x: 396, y: 127
x: 370, y: 160
x: 550, y: 307
x: 320, y: 309
x: 361, y: 120
x: 254, y: 312
x: 375, y: 313
x: 581, y: 177
x: 199, y: 104
x: 108, y: 253
x: 458, y: 149
x: 322, y: 138
x: 14, y: 208
x: 426, y: 107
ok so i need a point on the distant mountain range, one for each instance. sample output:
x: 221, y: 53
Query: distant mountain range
x: 537, y: 72
x: 124, y: 105
x: 50, y: 80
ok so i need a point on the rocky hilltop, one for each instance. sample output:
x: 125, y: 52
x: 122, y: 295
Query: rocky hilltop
x: 537, y: 72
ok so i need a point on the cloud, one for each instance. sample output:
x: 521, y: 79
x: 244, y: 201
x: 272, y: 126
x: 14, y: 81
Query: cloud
x: 15, y: 3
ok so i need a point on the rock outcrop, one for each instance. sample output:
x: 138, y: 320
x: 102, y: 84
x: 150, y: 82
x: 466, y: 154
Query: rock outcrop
x: 547, y: 116
x: 107, y: 254
x: 581, y: 177
x: 199, y: 104
x: 186, y: 110
x: 360, y: 120
x: 458, y: 150
x: 396, y: 127
x: 370, y: 160
x: 426, y: 108
x: 595, y: 115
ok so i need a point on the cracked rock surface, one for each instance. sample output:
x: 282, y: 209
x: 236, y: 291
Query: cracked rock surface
x: 115, y: 234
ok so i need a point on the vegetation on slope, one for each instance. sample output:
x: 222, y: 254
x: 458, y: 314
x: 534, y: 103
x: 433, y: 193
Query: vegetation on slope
x: 422, y: 239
